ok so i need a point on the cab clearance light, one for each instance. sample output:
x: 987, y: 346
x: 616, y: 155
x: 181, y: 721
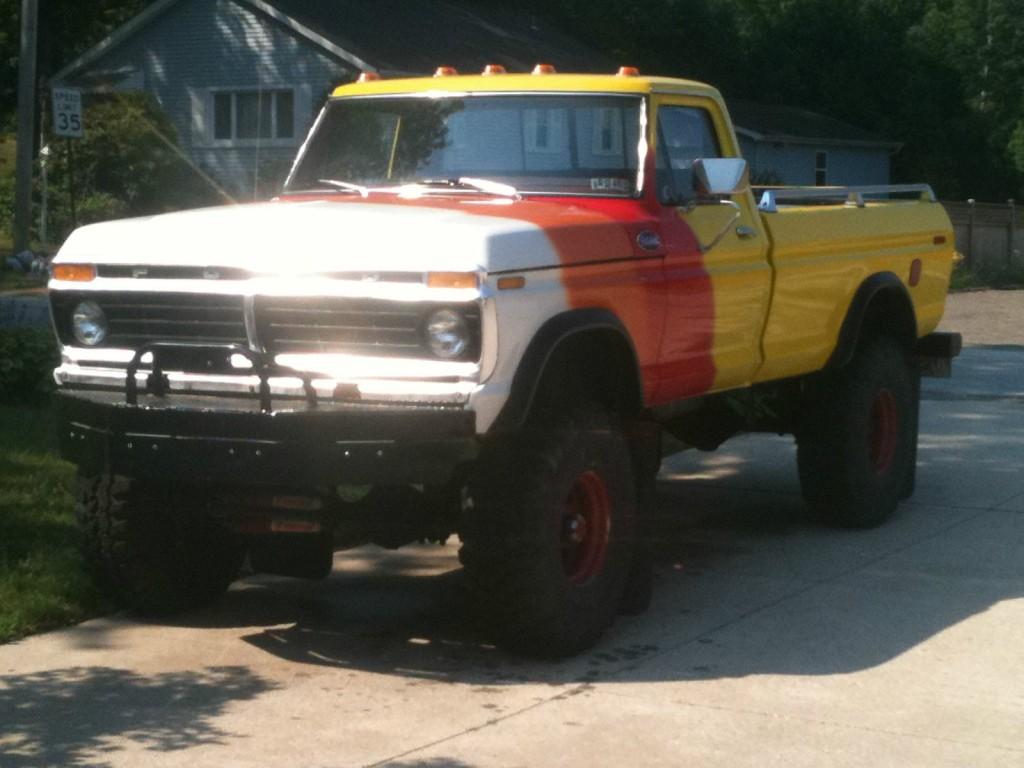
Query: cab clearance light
x: 628, y: 72
x: 452, y: 280
x: 74, y: 273
x: 494, y: 69
x: 446, y: 72
x: 368, y: 77
x: 544, y: 69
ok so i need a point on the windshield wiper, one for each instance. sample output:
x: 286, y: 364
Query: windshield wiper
x: 481, y: 185
x: 346, y: 186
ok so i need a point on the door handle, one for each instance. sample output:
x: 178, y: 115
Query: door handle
x: 745, y: 233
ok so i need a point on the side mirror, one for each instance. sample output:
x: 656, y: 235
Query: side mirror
x: 720, y: 176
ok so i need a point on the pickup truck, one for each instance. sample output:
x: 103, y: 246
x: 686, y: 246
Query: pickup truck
x: 475, y: 308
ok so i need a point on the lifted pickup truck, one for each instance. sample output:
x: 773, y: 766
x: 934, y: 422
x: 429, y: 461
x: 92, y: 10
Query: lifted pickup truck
x: 473, y: 309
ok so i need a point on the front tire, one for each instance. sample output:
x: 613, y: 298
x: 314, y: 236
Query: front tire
x: 857, y: 443
x: 152, y: 549
x: 548, y: 537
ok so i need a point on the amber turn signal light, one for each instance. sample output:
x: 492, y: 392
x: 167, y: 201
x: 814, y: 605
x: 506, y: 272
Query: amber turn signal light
x: 74, y: 273
x: 511, y: 283
x: 452, y: 280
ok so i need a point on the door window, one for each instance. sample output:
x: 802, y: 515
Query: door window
x: 685, y: 134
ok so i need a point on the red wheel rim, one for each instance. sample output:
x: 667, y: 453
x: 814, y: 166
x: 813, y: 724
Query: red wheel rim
x: 586, y: 524
x: 885, y: 423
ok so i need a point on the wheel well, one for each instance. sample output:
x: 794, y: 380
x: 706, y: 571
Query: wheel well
x: 583, y: 353
x: 880, y: 306
x: 596, y: 364
x: 890, y: 312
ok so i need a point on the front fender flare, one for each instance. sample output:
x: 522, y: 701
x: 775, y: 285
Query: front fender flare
x: 556, y: 332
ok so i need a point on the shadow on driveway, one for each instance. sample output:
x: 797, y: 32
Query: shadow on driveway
x: 72, y: 716
x: 737, y: 556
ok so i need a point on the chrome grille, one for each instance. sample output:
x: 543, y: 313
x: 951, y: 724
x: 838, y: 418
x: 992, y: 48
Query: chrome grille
x: 352, y: 325
x: 138, y: 318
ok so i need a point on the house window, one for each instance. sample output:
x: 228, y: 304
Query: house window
x: 820, y: 169
x: 607, y: 133
x: 253, y: 115
x: 546, y: 131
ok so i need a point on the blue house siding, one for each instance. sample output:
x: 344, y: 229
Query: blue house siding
x: 795, y: 164
x: 197, y: 47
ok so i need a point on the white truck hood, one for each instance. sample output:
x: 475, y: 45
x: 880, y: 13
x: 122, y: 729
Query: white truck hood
x: 303, y: 237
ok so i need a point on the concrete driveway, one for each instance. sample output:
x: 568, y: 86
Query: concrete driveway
x: 771, y: 641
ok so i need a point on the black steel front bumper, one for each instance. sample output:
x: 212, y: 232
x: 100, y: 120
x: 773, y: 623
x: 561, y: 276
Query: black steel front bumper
x: 193, y: 440
x: 202, y: 439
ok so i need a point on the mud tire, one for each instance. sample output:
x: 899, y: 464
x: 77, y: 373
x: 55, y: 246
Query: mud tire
x: 857, y: 440
x: 152, y: 549
x: 533, y: 592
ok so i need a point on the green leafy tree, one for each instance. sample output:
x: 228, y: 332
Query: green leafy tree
x: 128, y: 164
x: 67, y: 28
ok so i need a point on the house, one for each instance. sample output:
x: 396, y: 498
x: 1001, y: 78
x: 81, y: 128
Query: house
x: 787, y: 145
x: 242, y: 80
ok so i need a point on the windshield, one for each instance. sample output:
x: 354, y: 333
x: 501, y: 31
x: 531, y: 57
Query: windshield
x: 541, y: 144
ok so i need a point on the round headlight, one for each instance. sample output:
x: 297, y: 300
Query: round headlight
x: 89, y: 324
x: 447, y: 333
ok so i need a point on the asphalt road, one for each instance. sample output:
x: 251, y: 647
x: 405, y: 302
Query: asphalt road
x: 771, y: 641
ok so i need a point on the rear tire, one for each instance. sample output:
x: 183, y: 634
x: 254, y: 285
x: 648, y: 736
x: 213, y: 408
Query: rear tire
x: 857, y: 441
x: 548, y: 535
x: 155, y: 550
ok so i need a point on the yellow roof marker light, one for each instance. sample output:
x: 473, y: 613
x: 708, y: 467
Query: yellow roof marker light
x: 545, y: 69
x: 368, y: 77
x: 628, y: 72
x: 446, y: 72
x: 494, y: 69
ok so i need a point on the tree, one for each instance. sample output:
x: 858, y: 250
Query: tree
x: 128, y: 164
x: 67, y: 28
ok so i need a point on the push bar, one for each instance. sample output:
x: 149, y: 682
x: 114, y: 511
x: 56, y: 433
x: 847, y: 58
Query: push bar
x: 209, y: 359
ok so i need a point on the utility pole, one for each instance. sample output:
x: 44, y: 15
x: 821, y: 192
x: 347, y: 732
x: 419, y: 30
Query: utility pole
x: 26, y: 124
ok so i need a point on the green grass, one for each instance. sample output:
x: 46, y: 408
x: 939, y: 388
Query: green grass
x: 43, y: 583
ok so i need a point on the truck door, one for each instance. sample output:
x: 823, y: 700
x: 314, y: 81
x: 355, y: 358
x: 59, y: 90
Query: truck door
x: 732, y: 306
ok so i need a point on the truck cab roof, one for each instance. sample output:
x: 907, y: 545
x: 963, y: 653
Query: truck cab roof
x: 525, y: 83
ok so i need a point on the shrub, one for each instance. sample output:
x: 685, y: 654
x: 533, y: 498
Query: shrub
x: 27, y: 359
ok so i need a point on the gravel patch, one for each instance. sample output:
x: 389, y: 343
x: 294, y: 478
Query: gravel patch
x: 986, y: 317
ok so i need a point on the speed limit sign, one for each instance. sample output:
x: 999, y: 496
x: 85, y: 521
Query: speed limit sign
x: 67, y: 113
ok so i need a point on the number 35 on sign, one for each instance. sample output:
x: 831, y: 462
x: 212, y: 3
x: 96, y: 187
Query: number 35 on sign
x: 67, y: 113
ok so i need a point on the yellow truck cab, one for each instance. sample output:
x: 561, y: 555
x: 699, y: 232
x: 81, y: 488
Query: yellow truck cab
x: 474, y: 308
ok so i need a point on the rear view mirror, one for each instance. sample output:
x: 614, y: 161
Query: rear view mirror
x: 720, y: 176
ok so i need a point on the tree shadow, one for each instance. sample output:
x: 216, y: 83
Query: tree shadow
x: 73, y: 716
